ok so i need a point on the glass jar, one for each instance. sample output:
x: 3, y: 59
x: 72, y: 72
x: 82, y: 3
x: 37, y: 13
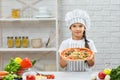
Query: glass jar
x: 25, y: 42
x: 15, y: 13
x: 17, y: 42
x: 10, y: 42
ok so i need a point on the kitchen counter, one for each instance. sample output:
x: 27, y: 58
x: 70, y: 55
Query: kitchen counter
x: 72, y: 75
x: 66, y: 75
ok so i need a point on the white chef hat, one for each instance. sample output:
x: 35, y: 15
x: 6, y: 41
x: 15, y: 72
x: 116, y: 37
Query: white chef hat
x: 77, y: 16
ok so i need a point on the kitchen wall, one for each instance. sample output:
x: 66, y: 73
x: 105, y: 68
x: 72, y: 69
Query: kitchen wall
x: 105, y: 28
x: 105, y: 32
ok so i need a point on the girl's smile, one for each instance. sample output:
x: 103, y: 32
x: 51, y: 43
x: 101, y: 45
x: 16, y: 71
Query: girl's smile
x: 78, y: 32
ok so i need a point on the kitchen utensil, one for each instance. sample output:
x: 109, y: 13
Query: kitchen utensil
x: 50, y: 39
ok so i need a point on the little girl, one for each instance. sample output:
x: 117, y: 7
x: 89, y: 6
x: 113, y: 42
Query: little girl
x: 78, y: 22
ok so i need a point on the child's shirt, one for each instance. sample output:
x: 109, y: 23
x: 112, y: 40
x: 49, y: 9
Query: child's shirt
x: 77, y: 65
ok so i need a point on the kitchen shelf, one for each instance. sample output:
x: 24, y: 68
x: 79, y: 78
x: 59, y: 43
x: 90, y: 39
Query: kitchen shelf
x: 27, y: 49
x: 27, y: 19
x: 35, y: 27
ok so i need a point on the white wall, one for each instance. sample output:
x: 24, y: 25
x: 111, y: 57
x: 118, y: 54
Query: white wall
x: 105, y: 28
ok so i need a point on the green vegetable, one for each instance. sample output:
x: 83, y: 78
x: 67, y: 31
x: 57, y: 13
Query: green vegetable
x: 33, y: 62
x: 115, y: 74
x: 68, y: 53
x: 12, y: 67
x: 11, y: 77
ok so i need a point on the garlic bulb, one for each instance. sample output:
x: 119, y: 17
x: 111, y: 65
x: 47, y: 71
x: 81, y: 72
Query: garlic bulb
x: 107, y: 77
x: 93, y: 77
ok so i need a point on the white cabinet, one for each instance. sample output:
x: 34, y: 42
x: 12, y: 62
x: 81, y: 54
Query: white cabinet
x: 38, y: 19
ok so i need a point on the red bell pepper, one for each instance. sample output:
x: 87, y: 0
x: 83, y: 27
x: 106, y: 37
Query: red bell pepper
x: 26, y: 63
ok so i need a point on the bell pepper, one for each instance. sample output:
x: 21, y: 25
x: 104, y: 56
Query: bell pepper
x: 18, y: 60
x: 26, y: 63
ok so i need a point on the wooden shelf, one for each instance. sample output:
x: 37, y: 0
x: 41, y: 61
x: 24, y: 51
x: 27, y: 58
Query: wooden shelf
x: 27, y: 49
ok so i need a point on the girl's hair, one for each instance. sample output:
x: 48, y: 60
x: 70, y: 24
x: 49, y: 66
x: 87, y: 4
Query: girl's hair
x: 86, y: 41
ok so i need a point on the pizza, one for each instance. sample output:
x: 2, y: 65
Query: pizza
x: 76, y: 53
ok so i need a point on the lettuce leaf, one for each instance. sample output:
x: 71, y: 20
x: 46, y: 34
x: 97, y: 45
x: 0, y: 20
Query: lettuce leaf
x: 12, y: 66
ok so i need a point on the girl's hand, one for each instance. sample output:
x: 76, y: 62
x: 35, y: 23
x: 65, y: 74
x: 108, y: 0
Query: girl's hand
x: 63, y: 62
x: 90, y: 61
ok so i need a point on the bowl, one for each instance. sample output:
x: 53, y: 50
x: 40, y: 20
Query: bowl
x: 36, y: 43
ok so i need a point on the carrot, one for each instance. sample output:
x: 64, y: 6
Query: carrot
x: 3, y: 73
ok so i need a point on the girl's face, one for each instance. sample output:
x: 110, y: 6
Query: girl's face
x: 77, y: 30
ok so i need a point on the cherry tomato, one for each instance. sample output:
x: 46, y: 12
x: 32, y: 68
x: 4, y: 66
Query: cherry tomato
x: 48, y: 77
x: 52, y: 76
x: 30, y: 77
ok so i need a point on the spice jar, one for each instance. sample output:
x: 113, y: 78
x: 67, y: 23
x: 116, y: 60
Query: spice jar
x: 15, y: 13
x: 10, y: 42
x: 17, y: 42
x: 25, y: 42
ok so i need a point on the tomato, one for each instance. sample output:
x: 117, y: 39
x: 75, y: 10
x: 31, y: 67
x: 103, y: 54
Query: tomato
x: 30, y: 77
x: 48, y: 77
x: 52, y: 76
